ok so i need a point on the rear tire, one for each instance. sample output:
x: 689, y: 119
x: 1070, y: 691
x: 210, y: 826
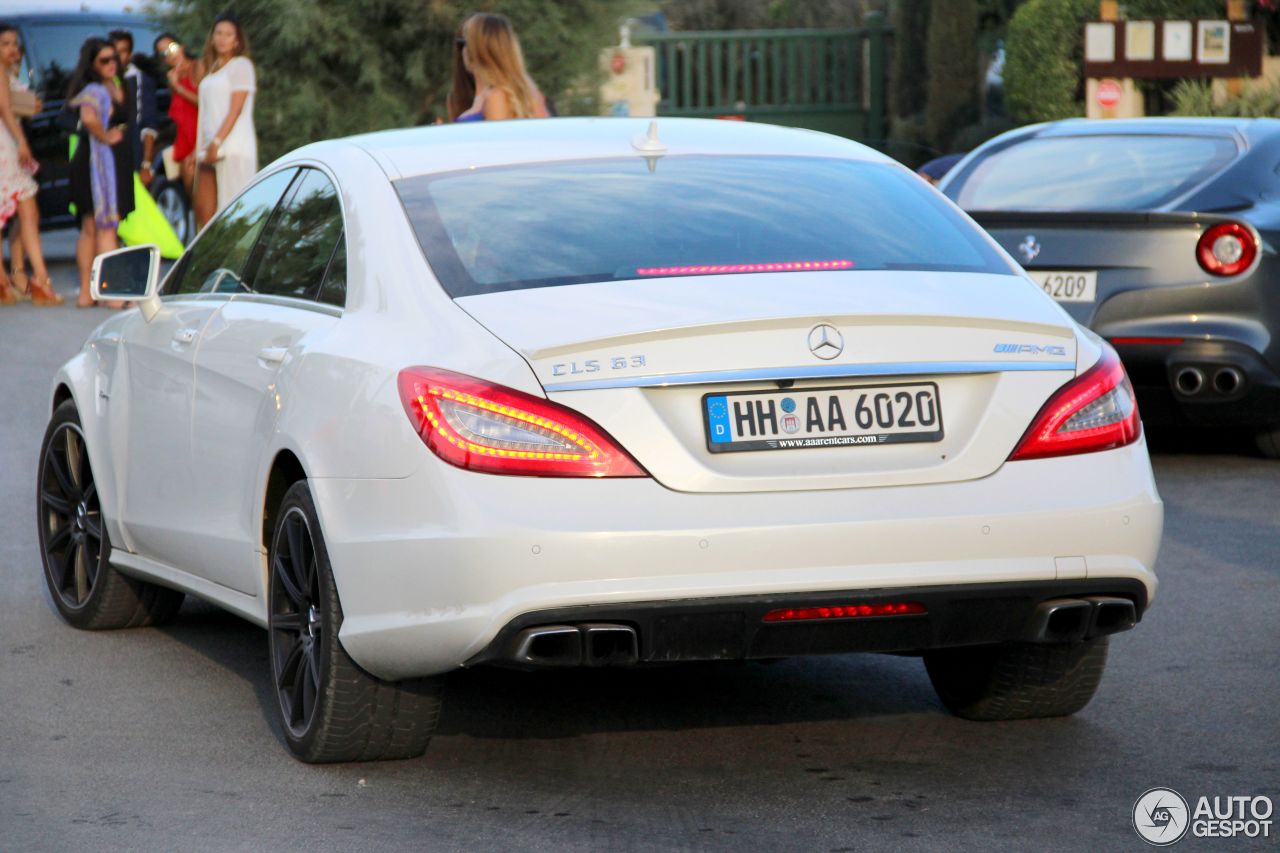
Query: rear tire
x: 1268, y: 441
x: 1017, y: 681
x: 329, y: 708
x: 74, y: 545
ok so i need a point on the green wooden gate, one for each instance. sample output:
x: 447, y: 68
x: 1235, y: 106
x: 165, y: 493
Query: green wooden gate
x: 829, y: 80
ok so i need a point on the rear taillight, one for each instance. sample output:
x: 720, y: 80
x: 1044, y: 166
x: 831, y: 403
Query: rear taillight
x: 1227, y: 248
x: 481, y: 426
x: 1096, y: 411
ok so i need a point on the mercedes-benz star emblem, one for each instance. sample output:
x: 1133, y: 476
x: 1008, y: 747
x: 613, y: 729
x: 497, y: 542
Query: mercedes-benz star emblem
x: 1029, y: 248
x: 825, y: 341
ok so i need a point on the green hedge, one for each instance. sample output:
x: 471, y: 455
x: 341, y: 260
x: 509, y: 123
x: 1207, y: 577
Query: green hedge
x: 1044, y: 52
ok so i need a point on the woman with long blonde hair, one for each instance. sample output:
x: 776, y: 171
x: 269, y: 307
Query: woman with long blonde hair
x: 491, y: 53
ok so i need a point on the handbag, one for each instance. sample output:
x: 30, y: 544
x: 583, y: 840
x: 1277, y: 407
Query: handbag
x: 23, y: 102
x: 172, y: 168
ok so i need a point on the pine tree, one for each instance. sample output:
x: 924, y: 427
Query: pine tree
x: 328, y: 68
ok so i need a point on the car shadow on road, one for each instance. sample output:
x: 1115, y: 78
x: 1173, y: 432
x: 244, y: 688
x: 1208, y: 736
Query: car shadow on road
x: 569, y: 703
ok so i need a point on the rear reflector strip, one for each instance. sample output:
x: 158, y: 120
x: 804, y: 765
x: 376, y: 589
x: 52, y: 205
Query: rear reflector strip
x: 846, y: 611
x: 724, y: 269
x: 1168, y: 342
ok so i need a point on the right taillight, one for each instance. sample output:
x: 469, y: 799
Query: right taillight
x: 1226, y: 249
x: 1095, y: 411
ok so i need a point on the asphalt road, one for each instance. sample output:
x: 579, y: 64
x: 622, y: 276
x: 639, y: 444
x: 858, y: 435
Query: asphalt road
x: 162, y: 739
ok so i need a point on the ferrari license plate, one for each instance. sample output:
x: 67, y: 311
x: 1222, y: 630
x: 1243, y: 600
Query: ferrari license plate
x: 822, y: 417
x: 1066, y: 285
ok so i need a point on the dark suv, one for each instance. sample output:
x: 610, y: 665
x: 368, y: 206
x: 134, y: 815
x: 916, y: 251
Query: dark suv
x: 52, y: 32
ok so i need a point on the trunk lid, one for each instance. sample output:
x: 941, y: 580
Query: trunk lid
x: 639, y: 358
x: 1126, y: 251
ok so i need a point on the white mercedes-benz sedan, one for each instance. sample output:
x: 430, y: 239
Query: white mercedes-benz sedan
x: 589, y: 392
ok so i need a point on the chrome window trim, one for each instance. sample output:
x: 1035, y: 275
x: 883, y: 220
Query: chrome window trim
x: 822, y: 371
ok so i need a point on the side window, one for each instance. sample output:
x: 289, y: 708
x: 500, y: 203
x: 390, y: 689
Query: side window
x: 334, y: 289
x: 300, y: 240
x: 216, y: 262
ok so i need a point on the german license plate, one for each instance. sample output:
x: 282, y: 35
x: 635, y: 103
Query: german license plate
x: 822, y: 417
x: 1067, y: 286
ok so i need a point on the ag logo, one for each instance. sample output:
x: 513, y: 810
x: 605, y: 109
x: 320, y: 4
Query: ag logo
x: 1161, y: 817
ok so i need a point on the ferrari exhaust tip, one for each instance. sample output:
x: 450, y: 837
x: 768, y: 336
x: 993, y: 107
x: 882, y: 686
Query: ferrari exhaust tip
x: 1228, y: 380
x: 1189, y: 381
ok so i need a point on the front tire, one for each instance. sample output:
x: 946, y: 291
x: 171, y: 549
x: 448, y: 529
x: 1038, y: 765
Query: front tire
x: 329, y: 709
x: 74, y: 545
x: 1017, y: 681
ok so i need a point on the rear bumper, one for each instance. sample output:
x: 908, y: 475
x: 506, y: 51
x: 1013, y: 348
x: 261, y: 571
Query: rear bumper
x: 431, y: 569
x: 1202, y: 383
x: 735, y: 628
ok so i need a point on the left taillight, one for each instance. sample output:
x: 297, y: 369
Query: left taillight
x: 1095, y: 411
x: 482, y: 426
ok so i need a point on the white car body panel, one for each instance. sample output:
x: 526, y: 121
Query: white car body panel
x: 437, y: 563
x: 432, y: 561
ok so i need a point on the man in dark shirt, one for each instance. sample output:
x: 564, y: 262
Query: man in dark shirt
x: 140, y: 105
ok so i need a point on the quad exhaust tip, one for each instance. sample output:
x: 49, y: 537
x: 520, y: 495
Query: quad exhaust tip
x: 588, y: 644
x: 1070, y: 620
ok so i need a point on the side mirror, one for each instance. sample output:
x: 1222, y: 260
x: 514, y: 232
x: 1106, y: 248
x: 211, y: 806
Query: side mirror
x: 129, y: 275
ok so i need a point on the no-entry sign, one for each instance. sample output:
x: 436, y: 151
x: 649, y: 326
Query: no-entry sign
x: 1109, y: 93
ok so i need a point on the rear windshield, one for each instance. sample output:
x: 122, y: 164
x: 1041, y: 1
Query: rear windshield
x: 1091, y: 172
x: 508, y: 228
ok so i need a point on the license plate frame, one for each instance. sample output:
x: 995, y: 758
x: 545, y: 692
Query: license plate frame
x: 1068, y: 286
x: 873, y: 435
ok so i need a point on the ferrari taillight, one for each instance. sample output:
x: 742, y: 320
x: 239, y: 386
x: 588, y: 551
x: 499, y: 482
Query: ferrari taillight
x: 1226, y: 249
x: 1095, y: 411
x: 482, y: 426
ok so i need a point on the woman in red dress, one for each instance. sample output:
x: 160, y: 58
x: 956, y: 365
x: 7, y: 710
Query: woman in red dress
x: 184, y: 82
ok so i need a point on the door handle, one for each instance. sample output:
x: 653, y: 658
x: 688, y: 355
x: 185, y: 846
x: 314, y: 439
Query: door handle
x: 184, y: 336
x: 272, y: 355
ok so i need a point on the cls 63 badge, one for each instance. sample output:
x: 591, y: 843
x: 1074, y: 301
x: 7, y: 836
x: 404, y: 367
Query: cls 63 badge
x: 595, y: 365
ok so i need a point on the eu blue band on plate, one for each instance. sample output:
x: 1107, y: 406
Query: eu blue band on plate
x: 718, y: 417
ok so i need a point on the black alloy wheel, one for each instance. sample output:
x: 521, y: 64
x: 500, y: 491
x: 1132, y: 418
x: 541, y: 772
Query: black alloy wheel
x: 330, y: 709
x: 71, y: 517
x: 86, y: 589
x: 296, y: 624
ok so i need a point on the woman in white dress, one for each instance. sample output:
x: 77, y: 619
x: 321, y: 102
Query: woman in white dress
x: 226, y: 143
x: 17, y: 187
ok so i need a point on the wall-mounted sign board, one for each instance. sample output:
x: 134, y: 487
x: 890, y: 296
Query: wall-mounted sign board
x: 1148, y: 50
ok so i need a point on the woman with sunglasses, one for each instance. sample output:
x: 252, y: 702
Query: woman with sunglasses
x: 102, y: 168
x: 184, y: 80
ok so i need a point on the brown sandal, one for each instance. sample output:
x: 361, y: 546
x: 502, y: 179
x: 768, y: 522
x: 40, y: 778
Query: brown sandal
x: 42, y: 293
x: 7, y: 296
x: 21, y: 285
